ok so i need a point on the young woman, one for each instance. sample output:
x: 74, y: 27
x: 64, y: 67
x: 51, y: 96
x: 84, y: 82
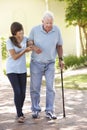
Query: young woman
x: 16, y: 66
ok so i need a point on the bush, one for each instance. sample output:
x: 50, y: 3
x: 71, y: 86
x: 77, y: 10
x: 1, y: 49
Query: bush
x: 75, y: 62
x: 3, y: 46
x: 72, y: 61
x: 27, y: 64
x: 4, y: 71
x: 57, y: 63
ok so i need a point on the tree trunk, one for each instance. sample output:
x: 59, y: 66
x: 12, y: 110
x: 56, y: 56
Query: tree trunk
x: 82, y: 44
x: 85, y: 34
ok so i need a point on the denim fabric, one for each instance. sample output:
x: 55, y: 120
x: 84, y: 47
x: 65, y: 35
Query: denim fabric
x: 18, y: 82
x: 37, y: 70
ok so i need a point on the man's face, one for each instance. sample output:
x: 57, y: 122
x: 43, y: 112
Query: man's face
x: 47, y: 24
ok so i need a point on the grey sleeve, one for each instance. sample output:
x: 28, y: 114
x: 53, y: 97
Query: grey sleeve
x: 9, y: 45
x: 31, y: 35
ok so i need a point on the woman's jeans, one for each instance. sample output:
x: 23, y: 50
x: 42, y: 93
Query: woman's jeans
x: 37, y: 70
x: 18, y: 82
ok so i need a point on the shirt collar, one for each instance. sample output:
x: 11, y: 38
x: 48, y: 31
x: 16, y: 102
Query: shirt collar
x: 52, y: 30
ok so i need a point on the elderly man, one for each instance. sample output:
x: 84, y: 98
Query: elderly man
x: 47, y: 37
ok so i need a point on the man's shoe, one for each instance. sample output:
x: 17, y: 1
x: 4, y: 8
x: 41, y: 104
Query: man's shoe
x: 51, y: 115
x: 35, y: 115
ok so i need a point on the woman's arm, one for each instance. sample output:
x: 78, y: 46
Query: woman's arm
x: 15, y: 55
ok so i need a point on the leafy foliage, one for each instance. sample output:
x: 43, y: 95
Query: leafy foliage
x: 72, y: 61
x: 76, y: 14
x: 75, y: 62
x: 3, y: 46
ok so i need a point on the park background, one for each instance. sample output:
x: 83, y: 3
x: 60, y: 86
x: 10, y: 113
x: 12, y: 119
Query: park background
x: 29, y: 13
x: 71, y: 17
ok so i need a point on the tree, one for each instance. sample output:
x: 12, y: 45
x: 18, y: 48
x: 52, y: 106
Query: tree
x: 76, y: 14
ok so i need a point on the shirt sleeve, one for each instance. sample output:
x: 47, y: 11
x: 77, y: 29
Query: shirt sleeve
x: 31, y: 35
x: 60, y: 40
x: 9, y: 45
x: 25, y: 41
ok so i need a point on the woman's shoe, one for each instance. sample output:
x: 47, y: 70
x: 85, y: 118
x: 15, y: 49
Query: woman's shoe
x: 21, y: 119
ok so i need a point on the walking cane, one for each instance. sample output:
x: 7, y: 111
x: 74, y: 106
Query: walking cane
x: 64, y: 115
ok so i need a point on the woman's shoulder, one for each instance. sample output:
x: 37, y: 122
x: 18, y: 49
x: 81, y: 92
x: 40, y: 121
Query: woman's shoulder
x: 9, y: 44
x: 9, y: 41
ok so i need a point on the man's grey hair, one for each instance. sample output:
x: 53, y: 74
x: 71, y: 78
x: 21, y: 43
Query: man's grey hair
x: 48, y: 14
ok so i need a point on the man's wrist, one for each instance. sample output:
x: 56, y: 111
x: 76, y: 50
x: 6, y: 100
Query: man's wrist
x: 60, y: 58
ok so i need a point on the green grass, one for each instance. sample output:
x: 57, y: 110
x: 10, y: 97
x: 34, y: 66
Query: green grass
x: 75, y: 82
x: 78, y: 78
x: 78, y: 82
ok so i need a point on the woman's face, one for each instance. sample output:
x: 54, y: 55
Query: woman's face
x: 19, y: 35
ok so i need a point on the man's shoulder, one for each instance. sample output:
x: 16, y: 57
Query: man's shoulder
x: 25, y: 39
x: 36, y: 27
x: 56, y: 28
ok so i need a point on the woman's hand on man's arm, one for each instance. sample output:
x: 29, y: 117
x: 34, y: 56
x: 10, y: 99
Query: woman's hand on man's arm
x: 34, y: 48
x: 37, y: 49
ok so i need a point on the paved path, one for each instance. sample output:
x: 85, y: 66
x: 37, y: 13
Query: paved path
x: 68, y: 73
x: 76, y: 110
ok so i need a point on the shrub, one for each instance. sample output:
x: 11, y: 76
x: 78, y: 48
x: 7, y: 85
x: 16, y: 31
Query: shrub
x: 74, y: 61
x: 4, y: 71
x: 3, y: 46
x: 57, y: 63
x: 27, y: 64
x: 70, y: 61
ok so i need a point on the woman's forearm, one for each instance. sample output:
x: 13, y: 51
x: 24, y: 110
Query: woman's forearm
x: 18, y: 55
x: 15, y: 55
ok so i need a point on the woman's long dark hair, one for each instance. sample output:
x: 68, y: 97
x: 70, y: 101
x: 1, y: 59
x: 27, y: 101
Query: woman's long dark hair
x: 15, y: 27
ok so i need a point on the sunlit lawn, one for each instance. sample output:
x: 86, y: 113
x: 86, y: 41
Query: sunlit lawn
x: 74, y: 82
x: 70, y: 82
x: 79, y: 78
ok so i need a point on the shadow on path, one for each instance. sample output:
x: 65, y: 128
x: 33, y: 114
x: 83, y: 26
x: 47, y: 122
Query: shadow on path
x: 76, y: 111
